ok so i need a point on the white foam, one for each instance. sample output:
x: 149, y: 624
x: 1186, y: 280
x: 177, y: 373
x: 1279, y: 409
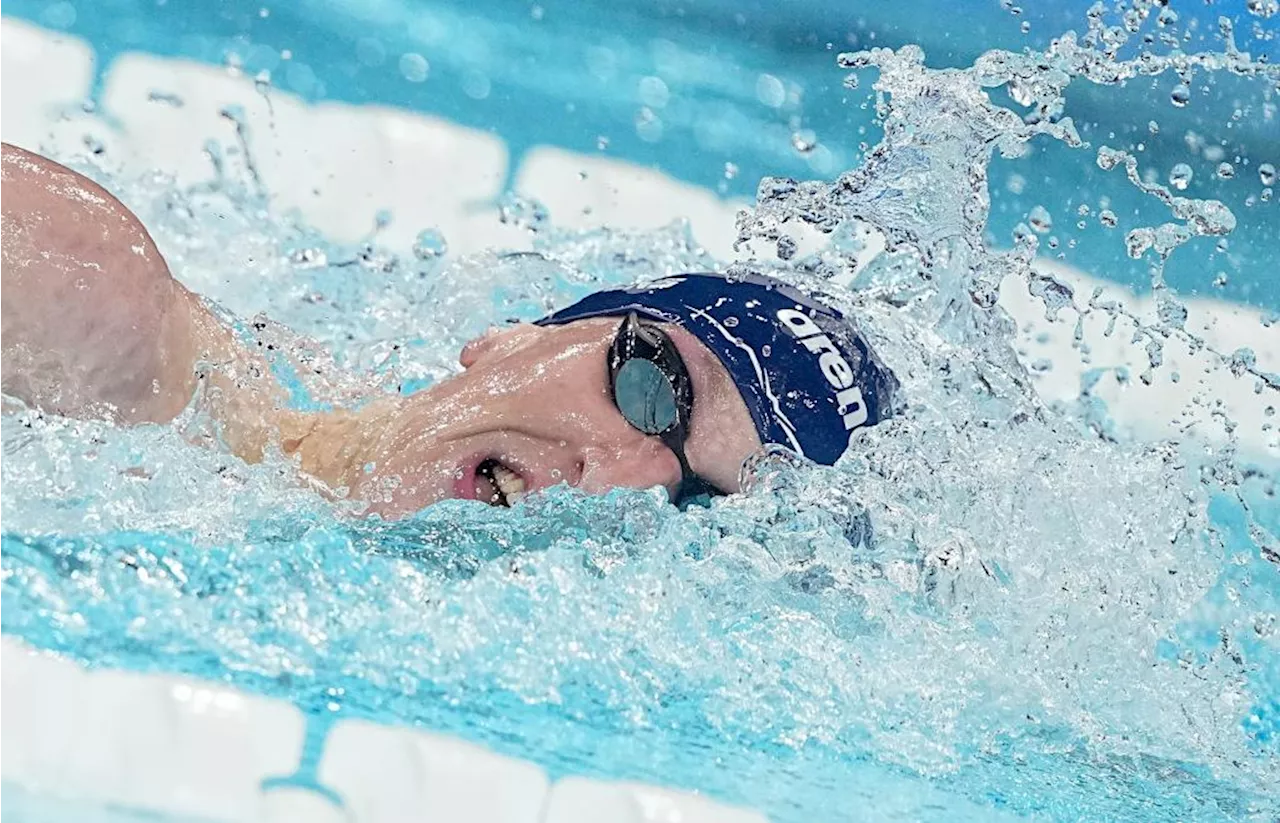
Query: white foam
x: 387, y: 774
x: 578, y: 800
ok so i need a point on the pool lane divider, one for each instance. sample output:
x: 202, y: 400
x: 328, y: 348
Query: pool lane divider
x: 160, y: 745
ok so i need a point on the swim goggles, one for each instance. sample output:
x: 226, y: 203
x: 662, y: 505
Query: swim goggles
x: 651, y: 387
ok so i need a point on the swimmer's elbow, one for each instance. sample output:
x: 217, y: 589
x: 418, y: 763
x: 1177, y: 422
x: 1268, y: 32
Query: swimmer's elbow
x: 91, y: 318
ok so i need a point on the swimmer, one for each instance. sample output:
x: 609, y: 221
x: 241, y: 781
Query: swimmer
x: 671, y: 384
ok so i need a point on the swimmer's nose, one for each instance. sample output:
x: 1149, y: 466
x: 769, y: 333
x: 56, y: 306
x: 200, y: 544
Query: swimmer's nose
x: 642, y: 464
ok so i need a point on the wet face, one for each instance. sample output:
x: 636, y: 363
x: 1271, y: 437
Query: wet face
x: 532, y: 409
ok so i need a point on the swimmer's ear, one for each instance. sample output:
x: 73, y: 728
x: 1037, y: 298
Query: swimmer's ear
x: 497, y: 340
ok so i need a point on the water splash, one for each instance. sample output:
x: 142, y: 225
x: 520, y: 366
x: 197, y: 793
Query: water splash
x: 1003, y: 596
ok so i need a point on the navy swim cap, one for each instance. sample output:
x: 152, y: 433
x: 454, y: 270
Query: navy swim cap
x: 808, y: 377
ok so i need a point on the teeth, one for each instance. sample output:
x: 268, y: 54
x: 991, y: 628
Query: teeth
x: 509, y: 483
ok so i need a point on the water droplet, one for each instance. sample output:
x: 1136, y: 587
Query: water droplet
x: 1242, y: 359
x: 1180, y: 176
x: 414, y: 67
x: 1170, y: 311
x: 1267, y: 174
x: 309, y: 258
x: 1263, y: 8
x: 1226, y: 171
x: 1138, y: 241
x: 524, y: 212
x: 1108, y: 218
x: 1022, y: 93
x: 1040, y: 219
x: 1181, y: 95
x: 429, y: 245
x: 853, y: 59
x: 804, y: 140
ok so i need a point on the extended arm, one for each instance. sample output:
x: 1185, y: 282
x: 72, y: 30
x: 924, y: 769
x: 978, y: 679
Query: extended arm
x: 94, y: 324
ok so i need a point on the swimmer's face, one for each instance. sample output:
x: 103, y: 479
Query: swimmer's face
x: 532, y: 409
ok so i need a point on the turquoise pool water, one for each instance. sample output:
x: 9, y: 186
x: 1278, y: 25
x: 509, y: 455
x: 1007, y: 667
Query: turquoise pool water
x: 990, y: 600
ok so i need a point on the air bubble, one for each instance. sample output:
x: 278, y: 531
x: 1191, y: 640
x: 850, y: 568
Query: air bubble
x: 1267, y: 174
x: 429, y: 245
x: 804, y: 140
x: 1180, y: 176
x: 1181, y: 95
x: 1108, y: 218
x: 1226, y: 171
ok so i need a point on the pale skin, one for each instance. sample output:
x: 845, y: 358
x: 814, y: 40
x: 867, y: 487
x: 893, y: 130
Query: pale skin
x: 94, y: 325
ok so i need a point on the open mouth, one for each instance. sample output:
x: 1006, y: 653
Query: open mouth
x: 498, y: 485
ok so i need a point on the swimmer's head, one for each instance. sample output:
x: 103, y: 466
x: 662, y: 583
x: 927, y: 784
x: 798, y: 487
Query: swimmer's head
x: 749, y: 361
x: 808, y: 377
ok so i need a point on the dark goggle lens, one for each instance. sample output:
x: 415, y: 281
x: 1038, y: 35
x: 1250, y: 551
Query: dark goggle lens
x: 645, y: 396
